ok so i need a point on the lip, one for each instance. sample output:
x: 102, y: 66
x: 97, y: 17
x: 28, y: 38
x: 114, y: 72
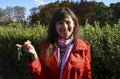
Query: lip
x: 65, y: 32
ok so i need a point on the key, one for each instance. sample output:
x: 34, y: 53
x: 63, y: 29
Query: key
x: 19, y: 53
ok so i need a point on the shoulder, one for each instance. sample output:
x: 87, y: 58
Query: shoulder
x: 78, y: 40
x: 43, y: 48
x: 44, y: 43
x: 81, y: 44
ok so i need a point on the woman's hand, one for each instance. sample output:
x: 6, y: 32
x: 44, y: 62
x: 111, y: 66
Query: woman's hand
x: 28, y: 47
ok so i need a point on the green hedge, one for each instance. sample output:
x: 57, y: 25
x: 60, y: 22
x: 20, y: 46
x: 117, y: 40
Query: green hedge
x: 105, y: 50
x: 10, y: 67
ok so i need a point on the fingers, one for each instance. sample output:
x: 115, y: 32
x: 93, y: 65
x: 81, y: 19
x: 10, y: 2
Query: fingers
x: 26, y: 46
x: 27, y: 42
x: 29, y: 48
x: 19, y: 46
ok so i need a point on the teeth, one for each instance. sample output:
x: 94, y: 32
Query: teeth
x: 65, y: 32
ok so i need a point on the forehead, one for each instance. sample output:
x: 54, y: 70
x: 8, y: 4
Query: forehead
x: 66, y: 18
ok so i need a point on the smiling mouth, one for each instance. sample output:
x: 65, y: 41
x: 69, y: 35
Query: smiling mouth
x: 65, y: 32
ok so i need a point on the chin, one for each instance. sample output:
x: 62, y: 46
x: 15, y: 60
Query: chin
x: 67, y: 37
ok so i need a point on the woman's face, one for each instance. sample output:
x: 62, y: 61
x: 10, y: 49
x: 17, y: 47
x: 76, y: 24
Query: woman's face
x: 65, y: 27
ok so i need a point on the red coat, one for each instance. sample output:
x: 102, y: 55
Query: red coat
x: 76, y: 67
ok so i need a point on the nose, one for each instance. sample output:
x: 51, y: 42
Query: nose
x: 65, y: 26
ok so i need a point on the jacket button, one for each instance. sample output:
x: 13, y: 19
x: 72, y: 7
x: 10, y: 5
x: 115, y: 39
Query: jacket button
x: 72, y: 63
x: 35, y: 68
x: 78, y: 70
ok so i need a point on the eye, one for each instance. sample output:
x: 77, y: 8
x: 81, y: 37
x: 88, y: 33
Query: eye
x: 68, y: 22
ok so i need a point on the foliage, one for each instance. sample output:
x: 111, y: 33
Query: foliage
x: 86, y: 11
x: 46, y: 13
x: 9, y: 36
x: 115, y: 10
x: 34, y: 18
x: 105, y: 45
x: 101, y: 13
x: 82, y: 10
x: 15, y: 14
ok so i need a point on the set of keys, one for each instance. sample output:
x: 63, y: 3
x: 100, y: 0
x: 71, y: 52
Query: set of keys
x: 19, y: 50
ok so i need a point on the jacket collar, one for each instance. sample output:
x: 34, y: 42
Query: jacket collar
x: 80, y: 45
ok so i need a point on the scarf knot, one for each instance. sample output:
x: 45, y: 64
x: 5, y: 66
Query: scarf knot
x: 65, y: 43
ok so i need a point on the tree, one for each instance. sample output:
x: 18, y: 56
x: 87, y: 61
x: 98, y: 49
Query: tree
x: 101, y: 12
x: 66, y: 3
x: 19, y: 13
x: 34, y: 15
x: 34, y: 10
x: 115, y: 10
x: 9, y: 12
x: 34, y: 18
x: 1, y: 15
x: 84, y: 12
x: 46, y: 12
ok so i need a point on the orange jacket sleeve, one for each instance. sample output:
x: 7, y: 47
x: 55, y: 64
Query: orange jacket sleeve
x: 35, y: 69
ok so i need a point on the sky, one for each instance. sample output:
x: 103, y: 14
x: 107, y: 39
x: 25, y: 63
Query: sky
x: 28, y: 4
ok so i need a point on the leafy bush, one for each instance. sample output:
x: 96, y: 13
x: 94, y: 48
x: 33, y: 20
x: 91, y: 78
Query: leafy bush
x: 10, y: 67
x: 105, y: 50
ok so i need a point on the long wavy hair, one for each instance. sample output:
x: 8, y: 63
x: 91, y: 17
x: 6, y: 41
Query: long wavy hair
x: 60, y: 14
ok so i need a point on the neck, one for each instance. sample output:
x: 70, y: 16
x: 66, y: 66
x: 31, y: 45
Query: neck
x: 64, y: 43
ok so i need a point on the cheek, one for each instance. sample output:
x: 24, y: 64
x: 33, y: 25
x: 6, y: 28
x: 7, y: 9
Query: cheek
x: 71, y: 28
x: 58, y: 29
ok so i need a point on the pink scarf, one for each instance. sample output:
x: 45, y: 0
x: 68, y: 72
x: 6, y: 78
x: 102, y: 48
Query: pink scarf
x: 63, y: 42
x: 69, y: 45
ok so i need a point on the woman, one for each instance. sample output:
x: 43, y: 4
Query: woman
x: 63, y: 54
